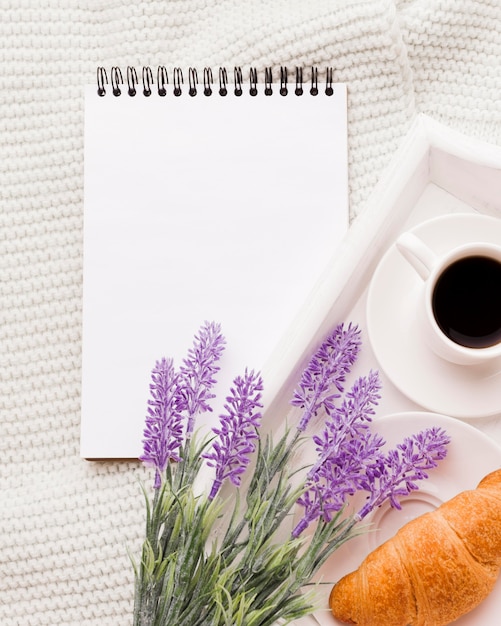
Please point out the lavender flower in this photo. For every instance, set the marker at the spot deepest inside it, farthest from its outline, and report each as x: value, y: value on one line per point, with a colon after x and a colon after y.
x: 247, y: 572
x: 163, y: 433
x: 350, y: 421
x: 345, y: 475
x: 350, y: 459
x: 237, y: 431
x: 326, y: 370
x: 198, y: 373
x: 403, y: 466
x: 361, y: 466
x: 347, y: 453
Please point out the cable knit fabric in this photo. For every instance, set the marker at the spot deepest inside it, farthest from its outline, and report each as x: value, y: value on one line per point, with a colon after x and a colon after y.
x: 66, y: 524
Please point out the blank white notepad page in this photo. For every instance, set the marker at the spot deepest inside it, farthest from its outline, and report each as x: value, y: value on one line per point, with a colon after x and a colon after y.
x: 224, y: 209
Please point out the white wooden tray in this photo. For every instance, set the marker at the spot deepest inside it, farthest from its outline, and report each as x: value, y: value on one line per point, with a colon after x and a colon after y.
x: 436, y: 172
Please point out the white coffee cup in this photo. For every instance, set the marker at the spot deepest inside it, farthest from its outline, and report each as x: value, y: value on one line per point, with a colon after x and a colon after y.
x: 460, y: 306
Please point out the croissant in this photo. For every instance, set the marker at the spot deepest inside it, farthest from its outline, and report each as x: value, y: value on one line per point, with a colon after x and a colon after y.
x: 435, y: 569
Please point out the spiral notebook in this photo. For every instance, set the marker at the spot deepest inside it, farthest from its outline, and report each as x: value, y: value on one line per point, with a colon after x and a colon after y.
x: 218, y: 196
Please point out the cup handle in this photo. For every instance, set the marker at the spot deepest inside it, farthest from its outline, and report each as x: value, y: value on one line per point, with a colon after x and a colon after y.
x: 416, y: 253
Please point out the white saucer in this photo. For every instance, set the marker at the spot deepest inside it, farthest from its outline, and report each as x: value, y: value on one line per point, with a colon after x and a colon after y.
x: 392, y: 303
x: 471, y: 456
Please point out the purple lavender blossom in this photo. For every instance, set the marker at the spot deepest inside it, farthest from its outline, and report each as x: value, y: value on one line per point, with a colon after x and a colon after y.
x: 198, y: 373
x: 347, y: 453
x: 363, y: 467
x: 350, y: 421
x: 326, y: 370
x: 163, y: 433
x: 344, y: 475
x: 230, y: 452
x: 351, y: 459
x: 404, y: 465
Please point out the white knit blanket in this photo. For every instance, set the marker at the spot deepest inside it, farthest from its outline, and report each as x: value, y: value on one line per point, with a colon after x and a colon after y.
x: 66, y: 524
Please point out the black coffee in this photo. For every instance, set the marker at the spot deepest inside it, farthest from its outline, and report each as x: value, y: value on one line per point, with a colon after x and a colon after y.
x: 467, y: 302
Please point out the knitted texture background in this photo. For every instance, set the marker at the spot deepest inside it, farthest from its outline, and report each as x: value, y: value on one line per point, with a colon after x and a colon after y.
x: 66, y: 524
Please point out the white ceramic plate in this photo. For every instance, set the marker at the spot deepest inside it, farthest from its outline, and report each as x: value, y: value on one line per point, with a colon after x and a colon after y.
x: 392, y: 304
x: 471, y: 455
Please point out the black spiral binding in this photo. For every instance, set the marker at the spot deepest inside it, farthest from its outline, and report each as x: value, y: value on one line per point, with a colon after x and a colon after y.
x: 131, y: 83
